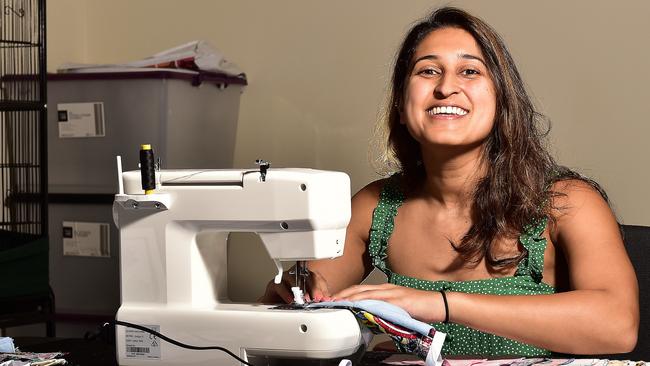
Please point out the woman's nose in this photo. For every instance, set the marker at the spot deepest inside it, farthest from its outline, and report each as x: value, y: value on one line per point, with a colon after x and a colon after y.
x: 447, y: 85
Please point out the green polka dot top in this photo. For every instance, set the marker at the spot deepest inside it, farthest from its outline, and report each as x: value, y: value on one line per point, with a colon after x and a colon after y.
x: 462, y: 340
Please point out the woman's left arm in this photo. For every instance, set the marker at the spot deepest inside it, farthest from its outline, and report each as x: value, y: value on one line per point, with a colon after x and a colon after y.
x: 598, y: 315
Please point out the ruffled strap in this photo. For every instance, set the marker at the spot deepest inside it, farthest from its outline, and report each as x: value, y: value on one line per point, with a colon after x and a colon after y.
x: 383, y: 223
x: 535, y: 243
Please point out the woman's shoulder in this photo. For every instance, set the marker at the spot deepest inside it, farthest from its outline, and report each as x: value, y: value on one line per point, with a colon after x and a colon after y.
x: 386, y: 192
x: 364, y: 203
x: 368, y: 197
x: 371, y: 192
x: 577, y: 205
x: 571, y: 195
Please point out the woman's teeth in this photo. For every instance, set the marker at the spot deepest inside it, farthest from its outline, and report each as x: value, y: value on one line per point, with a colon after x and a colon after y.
x: 447, y: 110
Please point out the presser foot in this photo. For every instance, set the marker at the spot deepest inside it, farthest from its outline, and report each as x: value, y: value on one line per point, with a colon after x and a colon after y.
x: 293, y: 306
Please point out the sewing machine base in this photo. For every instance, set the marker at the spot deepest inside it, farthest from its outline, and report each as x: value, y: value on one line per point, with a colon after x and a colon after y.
x: 280, y: 361
x: 262, y: 334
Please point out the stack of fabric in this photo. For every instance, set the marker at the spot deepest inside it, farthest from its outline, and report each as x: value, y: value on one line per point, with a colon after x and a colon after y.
x: 401, y: 359
x: 410, y: 335
x: 10, y: 356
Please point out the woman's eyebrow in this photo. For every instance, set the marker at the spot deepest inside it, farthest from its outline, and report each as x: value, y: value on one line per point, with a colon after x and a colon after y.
x: 425, y: 57
x: 466, y: 56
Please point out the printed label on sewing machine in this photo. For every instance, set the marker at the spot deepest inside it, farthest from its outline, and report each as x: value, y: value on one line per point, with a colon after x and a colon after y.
x: 142, y: 345
x: 88, y: 239
x: 81, y: 119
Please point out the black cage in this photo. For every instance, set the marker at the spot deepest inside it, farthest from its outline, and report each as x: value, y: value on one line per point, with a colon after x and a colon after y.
x: 23, y: 134
x: 25, y: 295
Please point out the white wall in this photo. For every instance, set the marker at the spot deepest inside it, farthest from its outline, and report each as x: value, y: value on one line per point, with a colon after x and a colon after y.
x: 318, y: 73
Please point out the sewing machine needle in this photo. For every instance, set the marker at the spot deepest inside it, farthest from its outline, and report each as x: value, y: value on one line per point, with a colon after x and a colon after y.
x: 300, y: 288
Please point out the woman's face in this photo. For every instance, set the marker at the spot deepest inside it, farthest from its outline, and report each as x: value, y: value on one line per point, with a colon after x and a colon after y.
x: 449, y: 98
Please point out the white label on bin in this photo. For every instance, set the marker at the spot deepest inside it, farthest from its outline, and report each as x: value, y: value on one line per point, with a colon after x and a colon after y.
x: 81, y: 119
x: 142, y: 345
x: 86, y: 239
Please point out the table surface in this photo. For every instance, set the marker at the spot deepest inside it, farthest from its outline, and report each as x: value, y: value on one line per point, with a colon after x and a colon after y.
x: 99, y: 352
x: 83, y: 352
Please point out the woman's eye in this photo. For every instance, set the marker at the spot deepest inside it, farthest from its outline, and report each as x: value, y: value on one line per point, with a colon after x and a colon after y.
x: 428, y: 72
x: 470, y: 72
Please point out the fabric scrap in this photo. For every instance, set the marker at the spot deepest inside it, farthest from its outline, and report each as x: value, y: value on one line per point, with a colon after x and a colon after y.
x: 383, y: 309
x: 411, y: 335
x: 7, y: 345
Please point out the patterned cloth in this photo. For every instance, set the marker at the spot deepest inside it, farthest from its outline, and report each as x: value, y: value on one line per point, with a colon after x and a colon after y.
x: 400, y: 360
x: 462, y: 340
x: 412, y: 342
x: 413, y: 336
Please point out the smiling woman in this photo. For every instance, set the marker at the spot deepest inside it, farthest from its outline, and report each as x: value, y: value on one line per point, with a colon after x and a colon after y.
x: 479, y: 230
x: 449, y: 97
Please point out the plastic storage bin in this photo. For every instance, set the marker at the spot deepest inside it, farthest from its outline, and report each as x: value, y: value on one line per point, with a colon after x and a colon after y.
x: 189, y: 119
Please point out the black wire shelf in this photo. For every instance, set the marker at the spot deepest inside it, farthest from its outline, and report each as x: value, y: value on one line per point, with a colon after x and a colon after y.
x: 23, y: 120
x: 19, y: 165
x: 5, y: 43
x: 14, y: 106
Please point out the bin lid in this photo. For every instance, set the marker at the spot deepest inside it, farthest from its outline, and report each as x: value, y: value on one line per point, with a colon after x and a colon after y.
x: 194, y: 77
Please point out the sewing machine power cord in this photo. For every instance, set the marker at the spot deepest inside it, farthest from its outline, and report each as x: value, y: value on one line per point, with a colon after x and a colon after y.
x: 175, y: 342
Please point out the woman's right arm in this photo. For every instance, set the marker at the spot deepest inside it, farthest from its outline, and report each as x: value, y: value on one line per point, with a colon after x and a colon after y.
x: 329, y: 276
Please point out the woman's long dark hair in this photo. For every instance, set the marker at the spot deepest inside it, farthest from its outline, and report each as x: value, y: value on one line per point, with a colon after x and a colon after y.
x: 515, y: 191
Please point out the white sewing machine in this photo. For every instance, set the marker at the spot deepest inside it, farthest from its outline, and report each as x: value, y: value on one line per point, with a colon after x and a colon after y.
x: 177, y: 285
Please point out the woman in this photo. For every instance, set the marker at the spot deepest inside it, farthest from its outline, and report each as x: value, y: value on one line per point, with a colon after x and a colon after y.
x: 481, y: 233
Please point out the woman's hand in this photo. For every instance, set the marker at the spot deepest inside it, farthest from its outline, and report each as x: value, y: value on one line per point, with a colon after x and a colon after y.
x: 316, y: 289
x: 426, y: 306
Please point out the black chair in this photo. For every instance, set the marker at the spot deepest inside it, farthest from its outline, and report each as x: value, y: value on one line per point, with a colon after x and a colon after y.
x: 28, y: 309
x: 637, y: 243
x: 25, y: 294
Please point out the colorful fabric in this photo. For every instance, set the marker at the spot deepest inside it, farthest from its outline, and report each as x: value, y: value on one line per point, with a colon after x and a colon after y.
x: 383, y: 309
x: 413, y: 336
x: 398, y: 359
x: 462, y: 340
x: 411, y: 341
